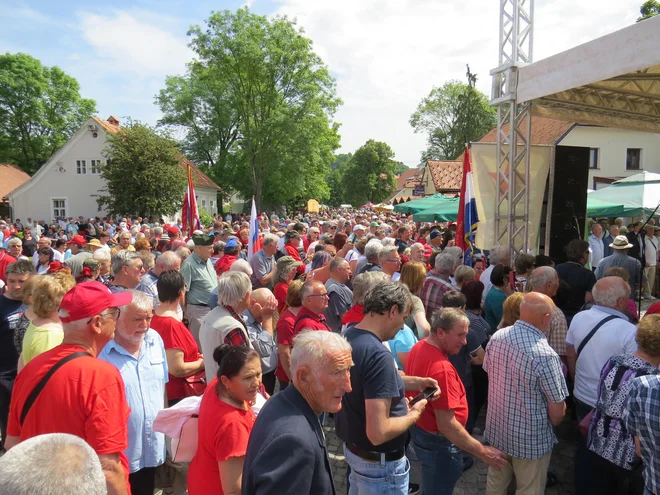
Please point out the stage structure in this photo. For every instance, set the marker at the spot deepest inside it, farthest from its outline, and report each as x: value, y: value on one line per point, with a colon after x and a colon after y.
x: 612, y: 81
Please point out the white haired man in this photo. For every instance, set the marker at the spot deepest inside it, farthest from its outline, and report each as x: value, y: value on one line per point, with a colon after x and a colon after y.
x: 139, y: 354
x: 260, y: 326
x: 56, y: 461
x: 15, y: 248
x: 166, y: 261
x: 287, y: 451
x: 438, y: 283
x: 127, y: 270
x: 371, y: 262
x: 88, y: 393
x: 263, y: 263
x: 390, y: 261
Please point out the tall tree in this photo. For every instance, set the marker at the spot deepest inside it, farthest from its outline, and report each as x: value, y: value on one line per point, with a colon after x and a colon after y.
x: 649, y: 9
x: 452, y: 115
x: 40, y: 108
x: 143, y: 173
x: 371, y: 174
x: 284, y: 99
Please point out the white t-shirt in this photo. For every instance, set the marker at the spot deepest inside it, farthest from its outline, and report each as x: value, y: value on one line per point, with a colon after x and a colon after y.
x: 485, y: 279
x: 352, y: 255
x: 651, y: 251
x: 614, y: 337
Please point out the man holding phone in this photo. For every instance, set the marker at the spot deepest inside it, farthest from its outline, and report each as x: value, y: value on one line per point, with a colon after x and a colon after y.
x: 375, y: 416
x: 440, y: 431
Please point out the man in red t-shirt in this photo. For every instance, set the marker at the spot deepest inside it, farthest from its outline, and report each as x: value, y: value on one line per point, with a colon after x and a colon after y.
x: 314, y: 298
x: 86, y: 396
x: 440, y: 431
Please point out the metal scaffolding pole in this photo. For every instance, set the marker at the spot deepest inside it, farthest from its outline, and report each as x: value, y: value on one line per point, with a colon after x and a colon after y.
x: 513, y: 125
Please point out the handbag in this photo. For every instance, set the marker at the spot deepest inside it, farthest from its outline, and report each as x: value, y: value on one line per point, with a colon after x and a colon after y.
x: 195, y: 385
x: 184, y: 448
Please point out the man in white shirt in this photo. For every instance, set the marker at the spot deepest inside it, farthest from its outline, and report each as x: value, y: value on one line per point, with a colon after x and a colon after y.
x: 498, y: 255
x: 651, y: 260
x: 614, y: 336
x: 596, y: 246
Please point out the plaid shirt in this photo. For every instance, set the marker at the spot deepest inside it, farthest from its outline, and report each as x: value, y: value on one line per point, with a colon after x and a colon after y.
x: 642, y: 419
x: 558, y: 331
x: 524, y: 375
x: 236, y: 337
x: 434, y: 288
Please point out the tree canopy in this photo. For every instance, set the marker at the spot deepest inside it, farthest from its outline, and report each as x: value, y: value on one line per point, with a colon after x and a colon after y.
x: 370, y: 175
x: 40, y: 108
x: 256, y: 105
x: 143, y: 173
x: 649, y: 9
x: 451, y: 116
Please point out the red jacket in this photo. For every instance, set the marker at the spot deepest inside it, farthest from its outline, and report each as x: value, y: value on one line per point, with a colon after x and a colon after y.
x: 224, y: 264
x: 293, y: 252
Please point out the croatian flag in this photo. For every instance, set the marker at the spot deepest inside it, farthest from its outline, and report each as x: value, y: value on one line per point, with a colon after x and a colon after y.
x: 190, y: 214
x: 254, y: 244
x: 468, y: 218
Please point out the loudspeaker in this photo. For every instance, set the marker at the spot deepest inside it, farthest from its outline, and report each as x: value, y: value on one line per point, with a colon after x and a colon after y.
x: 569, y: 199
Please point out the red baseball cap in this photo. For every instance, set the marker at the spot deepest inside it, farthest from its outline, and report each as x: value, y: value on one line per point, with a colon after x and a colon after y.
x: 89, y: 299
x: 78, y: 240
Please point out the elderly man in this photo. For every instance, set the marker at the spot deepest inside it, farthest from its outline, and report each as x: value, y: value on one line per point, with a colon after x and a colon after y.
x: 11, y: 308
x: 139, y: 355
x: 437, y: 283
x: 314, y: 298
x: 403, y: 239
x: 287, y: 452
x: 375, y: 417
x: 200, y: 279
x: 127, y: 268
x: 260, y: 327
x: 525, y: 398
x: 609, y: 239
x: 580, y: 279
x: 440, y: 431
x: 650, y: 261
x: 46, y: 242
x: 621, y: 258
x: 417, y: 253
x: 15, y: 248
x: 166, y: 261
x: 596, y: 247
x: 371, y: 262
x: 340, y: 297
x: 78, y: 254
x: 230, y: 255
x: 98, y: 412
x: 390, y: 261
x: 104, y: 259
x: 53, y: 461
x: 124, y: 243
x: 499, y: 255
x: 545, y: 280
x: 263, y: 263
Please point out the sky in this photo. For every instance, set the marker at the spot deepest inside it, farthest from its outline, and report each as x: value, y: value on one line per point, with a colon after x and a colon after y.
x: 386, y: 55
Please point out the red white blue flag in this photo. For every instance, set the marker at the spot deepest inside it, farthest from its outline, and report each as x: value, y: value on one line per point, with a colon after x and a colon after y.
x: 468, y: 219
x: 254, y: 244
x: 190, y: 214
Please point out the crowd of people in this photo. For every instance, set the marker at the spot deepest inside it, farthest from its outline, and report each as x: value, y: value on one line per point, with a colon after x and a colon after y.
x: 367, y: 320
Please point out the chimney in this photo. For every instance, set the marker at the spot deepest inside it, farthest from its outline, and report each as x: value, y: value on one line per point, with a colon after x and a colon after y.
x: 113, y: 120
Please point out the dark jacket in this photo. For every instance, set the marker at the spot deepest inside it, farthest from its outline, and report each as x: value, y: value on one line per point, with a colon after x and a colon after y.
x: 286, y: 452
x: 635, y: 250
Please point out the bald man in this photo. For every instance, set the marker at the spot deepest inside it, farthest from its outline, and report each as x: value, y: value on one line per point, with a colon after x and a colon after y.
x: 260, y: 326
x: 525, y: 398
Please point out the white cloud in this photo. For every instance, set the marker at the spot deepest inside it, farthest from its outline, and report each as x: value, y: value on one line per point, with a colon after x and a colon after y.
x: 126, y: 43
x: 388, y: 54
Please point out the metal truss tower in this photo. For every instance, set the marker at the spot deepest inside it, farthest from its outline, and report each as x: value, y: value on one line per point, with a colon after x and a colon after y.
x: 513, y: 125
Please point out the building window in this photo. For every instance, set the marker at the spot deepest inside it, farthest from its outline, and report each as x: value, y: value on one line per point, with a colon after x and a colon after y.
x: 59, y: 208
x: 81, y: 167
x: 95, y: 166
x: 203, y: 203
x: 593, y: 158
x: 633, y: 158
x: 211, y: 203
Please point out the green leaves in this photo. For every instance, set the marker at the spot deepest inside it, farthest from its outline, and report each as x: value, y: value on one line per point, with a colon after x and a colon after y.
x: 649, y: 9
x: 451, y: 116
x: 40, y: 108
x: 142, y: 173
x: 370, y: 175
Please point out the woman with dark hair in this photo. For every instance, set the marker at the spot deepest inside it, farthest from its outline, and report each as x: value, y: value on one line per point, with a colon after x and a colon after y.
x: 45, y: 255
x: 183, y: 358
x: 339, y: 241
x: 500, y: 290
x: 225, y: 422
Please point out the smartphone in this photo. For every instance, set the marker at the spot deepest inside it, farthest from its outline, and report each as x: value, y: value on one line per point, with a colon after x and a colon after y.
x: 426, y: 394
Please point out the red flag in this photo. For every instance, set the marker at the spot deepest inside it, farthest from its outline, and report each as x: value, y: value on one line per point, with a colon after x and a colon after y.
x: 190, y: 214
x: 460, y: 223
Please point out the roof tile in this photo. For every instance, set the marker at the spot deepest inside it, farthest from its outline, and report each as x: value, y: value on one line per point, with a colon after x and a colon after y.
x: 11, y: 177
x: 446, y: 175
x: 545, y: 131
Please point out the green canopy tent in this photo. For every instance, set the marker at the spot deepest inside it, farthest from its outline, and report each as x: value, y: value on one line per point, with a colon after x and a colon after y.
x: 417, y: 205
x: 598, y: 208
x: 639, y: 194
x: 445, y: 212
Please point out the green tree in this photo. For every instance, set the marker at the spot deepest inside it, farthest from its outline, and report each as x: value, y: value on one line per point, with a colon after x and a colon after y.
x: 401, y: 168
x: 283, y: 97
x: 143, y: 173
x: 40, y: 108
x: 371, y: 174
x: 649, y: 9
x: 200, y: 105
x: 451, y: 116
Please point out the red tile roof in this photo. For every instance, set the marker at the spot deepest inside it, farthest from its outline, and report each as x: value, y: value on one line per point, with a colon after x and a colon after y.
x: 406, y: 176
x: 11, y: 177
x: 446, y: 175
x: 545, y: 131
x: 200, y: 179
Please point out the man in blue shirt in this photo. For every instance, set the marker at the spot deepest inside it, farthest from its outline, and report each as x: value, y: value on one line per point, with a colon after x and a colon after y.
x: 139, y: 354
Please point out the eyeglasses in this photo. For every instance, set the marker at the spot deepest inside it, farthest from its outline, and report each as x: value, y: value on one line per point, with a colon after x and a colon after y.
x: 113, y: 312
x: 324, y: 295
x: 398, y: 260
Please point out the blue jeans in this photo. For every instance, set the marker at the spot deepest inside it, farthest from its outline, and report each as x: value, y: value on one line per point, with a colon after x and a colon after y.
x: 377, y: 478
x: 442, y: 462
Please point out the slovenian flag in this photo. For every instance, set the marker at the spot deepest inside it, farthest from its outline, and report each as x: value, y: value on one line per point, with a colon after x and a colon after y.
x: 254, y: 244
x: 468, y: 218
x: 190, y: 214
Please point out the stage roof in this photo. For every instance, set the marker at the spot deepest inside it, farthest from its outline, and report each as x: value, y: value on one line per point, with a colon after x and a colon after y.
x: 612, y: 81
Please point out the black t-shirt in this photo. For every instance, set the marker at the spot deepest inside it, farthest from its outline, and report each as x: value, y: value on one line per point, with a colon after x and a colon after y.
x: 10, y: 312
x: 581, y: 280
x: 374, y: 375
x: 29, y: 247
x: 401, y: 245
x: 461, y: 361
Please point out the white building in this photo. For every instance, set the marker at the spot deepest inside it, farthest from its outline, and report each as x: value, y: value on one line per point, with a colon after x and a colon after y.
x: 68, y: 183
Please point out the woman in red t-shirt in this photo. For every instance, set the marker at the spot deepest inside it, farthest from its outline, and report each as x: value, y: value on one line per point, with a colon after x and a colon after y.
x: 225, y: 422
x: 284, y: 331
x: 183, y: 357
x: 284, y: 274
